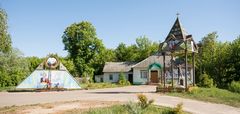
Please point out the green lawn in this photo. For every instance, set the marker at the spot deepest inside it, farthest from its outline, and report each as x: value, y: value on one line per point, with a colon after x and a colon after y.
x: 214, y: 95
x: 123, y: 109
x: 83, y: 86
x: 99, y: 85
x: 6, y: 88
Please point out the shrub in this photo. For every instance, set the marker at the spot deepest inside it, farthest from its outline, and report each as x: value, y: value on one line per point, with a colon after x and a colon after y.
x: 133, y: 108
x: 143, y: 101
x: 84, y: 80
x: 205, y: 81
x: 234, y: 86
x: 122, y: 80
x: 193, y: 90
x: 178, y: 109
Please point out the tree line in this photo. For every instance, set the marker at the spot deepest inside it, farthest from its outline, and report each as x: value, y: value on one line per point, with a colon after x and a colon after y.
x: 220, y: 61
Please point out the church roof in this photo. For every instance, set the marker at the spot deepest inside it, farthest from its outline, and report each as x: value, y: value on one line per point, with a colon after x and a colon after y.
x: 118, y: 66
x: 176, y: 38
x: 153, y: 59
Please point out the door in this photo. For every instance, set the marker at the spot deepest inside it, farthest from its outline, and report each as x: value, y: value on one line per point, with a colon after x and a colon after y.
x: 130, y: 78
x: 154, y: 76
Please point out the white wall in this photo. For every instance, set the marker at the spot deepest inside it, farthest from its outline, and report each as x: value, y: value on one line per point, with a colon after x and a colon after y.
x: 137, y: 76
x: 98, y: 78
x: 115, y: 75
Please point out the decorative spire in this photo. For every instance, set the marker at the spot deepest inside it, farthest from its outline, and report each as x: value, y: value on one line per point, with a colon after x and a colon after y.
x: 177, y: 14
x: 176, y: 31
x: 176, y: 38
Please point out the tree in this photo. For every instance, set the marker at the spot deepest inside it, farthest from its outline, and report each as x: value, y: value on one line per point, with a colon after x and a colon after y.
x: 219, y: 60
x: 106, y: 56
x: 84, y: 47
x: 13, y: 68
x: 233, y: 63
x: 205, y: 81
x: 122, y: 79
x: 136, y: 52
x: 121, y: 52
x: 68, y: 63
x: 146, y: 47
x: 208, y: 54
x: 5, y: 40
x: 33, y: 62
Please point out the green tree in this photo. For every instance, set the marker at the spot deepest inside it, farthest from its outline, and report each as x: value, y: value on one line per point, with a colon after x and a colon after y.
x: 84, y: 47
x: 205, y: 81
x: 5, y: 40
x: 33, y: 62
x: 68, y: 63
x: 122, y: 79
x: 121, y: 52
x: 233, y: 63
x: 13, y: 69
x: 208, y: 54
x: 221, y: 64
x: 110, y: 55
x: 136, y: 52
x: 145, y: 47
x: 219, y: 60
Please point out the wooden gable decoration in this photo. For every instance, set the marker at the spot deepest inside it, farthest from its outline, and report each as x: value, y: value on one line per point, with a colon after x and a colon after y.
x: 176, y: 38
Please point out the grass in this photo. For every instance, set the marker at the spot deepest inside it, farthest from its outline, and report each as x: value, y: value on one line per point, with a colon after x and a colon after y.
x: 122, y: 109
x: 213, y: 95
x: 83, y: 86
x: 6, y: 88
x: 99, y: 85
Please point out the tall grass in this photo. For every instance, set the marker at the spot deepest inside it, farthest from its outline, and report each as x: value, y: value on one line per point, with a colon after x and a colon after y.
x: 214, y: 95
x: 6, y: 88
x: 99, y: 85
x: 122, y: 109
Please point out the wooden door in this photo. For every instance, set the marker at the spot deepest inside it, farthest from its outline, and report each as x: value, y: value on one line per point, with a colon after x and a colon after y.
x: 154, y: 76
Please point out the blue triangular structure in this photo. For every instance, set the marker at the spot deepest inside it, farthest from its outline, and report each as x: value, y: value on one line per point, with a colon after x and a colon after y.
x: 58, y: 78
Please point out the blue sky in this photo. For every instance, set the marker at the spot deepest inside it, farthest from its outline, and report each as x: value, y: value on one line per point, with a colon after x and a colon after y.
x: 36, y: 26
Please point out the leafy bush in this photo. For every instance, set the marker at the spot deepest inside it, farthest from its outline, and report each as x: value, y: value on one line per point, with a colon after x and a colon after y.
x: 178, y: 109
x: 84, y: 80
x: 234, y: 86
x: 193, y: 90
x: 213, y: 94
x: 13, y: 68
x: 133, y: 108
x: 122, y: 80
x: 143, y: 101
x: 205, y: 81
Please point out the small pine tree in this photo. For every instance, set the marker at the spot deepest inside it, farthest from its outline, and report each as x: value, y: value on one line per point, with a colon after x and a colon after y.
x: 122, y: 79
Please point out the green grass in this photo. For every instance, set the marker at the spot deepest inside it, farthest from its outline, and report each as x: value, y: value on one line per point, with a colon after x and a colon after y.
x: 122, y: 109
x: 83, y: 86
x: 6, y: 88
x: 99, y: 85
x: 214, y: 95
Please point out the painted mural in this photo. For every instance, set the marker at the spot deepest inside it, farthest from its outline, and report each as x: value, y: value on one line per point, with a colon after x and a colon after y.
x: 50, y: 74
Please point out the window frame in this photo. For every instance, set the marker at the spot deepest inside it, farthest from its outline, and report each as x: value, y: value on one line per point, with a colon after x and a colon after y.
x: 110, y: 76
x: 142, y: 74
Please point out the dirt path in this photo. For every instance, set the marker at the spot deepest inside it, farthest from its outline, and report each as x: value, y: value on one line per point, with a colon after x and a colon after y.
x: 56, y: 107
x: 122, y: 94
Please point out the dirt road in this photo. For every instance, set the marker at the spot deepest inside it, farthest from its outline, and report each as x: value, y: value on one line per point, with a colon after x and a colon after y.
x: 122, y: 94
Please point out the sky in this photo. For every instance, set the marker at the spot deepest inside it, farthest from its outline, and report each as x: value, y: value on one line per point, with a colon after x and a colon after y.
x: 36, y: 26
